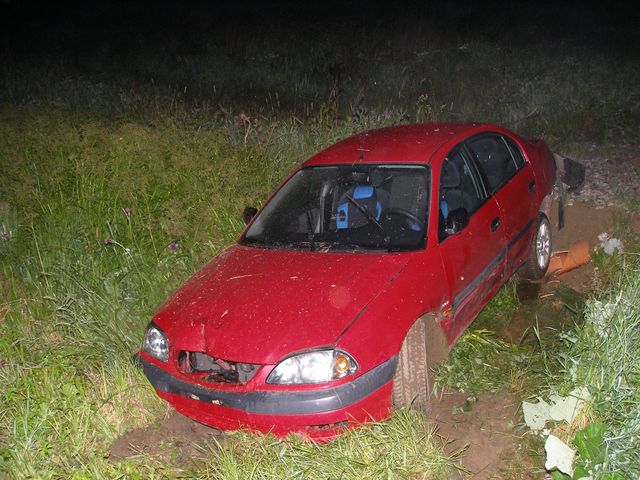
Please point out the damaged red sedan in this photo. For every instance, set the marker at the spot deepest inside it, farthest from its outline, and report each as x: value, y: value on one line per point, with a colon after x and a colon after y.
x: 362, y: 269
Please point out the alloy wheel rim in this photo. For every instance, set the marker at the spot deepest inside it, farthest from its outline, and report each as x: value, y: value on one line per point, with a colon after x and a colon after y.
x: 543, y: 245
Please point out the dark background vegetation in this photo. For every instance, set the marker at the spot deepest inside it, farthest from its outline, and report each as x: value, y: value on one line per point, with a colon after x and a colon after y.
x: 168, y: 28
x: 293, y: 56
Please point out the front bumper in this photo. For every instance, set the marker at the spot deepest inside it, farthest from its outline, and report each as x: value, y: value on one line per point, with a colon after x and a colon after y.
x: 314, y: 412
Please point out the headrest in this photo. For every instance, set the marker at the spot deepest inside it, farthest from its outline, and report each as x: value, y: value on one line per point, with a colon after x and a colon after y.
x: 485, y: 147
x: 450, y: 177
x: 362, y: 192
x: 376, y: 178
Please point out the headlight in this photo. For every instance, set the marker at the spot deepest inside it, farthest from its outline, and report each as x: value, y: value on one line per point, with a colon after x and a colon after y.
x: 155, y: 343
x: 313, y: 367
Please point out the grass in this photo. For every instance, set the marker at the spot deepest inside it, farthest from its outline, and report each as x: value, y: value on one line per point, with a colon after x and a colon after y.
x: 481, y: 362
x: 602, y: 355
x: 403, y: 447
x: 567, y: 94
x: 500, y: 309
x: 117, y: 185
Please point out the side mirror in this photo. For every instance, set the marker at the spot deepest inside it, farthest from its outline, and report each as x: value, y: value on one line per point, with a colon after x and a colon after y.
x: 457, y: 220
x: 248, y: 213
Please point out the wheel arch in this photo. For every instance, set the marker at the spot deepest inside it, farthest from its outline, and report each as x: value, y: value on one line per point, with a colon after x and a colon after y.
x: 545, y: 206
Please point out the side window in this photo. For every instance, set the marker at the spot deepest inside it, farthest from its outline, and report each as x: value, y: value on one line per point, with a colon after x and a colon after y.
x: 494, y: 159
x: 516, y: 152
x: 459, y: 188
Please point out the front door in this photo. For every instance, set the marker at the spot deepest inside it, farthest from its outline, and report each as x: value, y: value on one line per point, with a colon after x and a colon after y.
x: 473, y: 258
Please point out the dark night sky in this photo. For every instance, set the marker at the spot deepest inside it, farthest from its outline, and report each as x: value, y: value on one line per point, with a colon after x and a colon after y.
x: 113, y: 26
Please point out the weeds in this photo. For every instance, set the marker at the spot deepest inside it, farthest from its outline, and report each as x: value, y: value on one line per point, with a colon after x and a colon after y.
x: 480, y: 362
x: 600, y: 354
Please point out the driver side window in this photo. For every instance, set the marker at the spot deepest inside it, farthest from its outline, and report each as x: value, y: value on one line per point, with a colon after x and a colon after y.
x: 459, y: 189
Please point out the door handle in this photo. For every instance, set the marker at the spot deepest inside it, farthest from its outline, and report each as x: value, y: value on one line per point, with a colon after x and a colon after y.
x: 495, y: 224
x: 532, y: 185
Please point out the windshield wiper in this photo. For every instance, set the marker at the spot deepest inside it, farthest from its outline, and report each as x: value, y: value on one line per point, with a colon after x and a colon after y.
x: 372, y: 220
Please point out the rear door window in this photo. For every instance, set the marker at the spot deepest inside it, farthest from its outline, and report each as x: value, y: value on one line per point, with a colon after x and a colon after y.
x: 494, y: 159
x: 516, y: 152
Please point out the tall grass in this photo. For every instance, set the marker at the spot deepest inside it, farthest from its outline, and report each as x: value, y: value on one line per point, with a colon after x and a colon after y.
x: 603, y: 356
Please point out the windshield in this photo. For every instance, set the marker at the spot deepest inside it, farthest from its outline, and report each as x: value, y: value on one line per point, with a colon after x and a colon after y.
x: 346, y: 207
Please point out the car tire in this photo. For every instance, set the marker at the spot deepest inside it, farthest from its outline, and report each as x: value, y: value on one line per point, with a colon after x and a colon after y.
x: 537, y: 262
x: 424, y: 345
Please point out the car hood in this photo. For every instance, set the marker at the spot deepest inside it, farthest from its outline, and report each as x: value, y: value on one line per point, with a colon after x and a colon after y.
x: 258, y: 305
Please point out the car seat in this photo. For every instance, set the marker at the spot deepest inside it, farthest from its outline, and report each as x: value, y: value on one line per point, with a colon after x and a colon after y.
x: 370, y: 198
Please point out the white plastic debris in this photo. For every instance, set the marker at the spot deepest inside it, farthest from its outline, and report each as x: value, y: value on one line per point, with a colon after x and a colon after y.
x: 610, y: 245
x: 536, y: 414
x: 566, y: 408
x: 558, y: 408
x: 559, y: 455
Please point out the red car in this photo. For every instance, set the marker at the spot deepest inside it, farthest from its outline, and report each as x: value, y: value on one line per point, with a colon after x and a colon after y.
x: 361, y: 270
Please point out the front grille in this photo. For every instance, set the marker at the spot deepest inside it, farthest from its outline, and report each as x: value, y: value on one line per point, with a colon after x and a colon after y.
x: 211, y: 369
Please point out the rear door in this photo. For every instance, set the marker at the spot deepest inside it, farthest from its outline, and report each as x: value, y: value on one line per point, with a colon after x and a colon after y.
x: 473, y: 259
x: 510, y: 181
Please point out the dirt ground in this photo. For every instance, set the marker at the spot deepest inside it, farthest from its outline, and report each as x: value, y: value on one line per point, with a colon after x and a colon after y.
x: 175, y: 436
x: 486, y: 434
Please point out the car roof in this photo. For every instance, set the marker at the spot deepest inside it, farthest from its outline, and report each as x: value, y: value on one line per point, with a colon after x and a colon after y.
x: 399, y: 144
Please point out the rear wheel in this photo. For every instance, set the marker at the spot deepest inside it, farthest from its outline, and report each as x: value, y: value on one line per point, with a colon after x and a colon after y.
x: 424, y: 345
x: 537, y: 262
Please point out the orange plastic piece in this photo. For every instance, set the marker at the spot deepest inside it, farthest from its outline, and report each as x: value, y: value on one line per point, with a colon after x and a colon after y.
x: 567, y: 260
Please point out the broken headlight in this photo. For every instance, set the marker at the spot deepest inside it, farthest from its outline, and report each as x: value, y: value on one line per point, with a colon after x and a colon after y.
x: 313, y: 367
x: 155, y: 343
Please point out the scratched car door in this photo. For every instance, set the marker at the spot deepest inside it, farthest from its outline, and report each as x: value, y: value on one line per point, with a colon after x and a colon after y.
x: 509, y: 179
x: 473, y: 258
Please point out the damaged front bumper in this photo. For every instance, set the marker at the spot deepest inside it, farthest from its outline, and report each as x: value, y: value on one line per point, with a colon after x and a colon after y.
x: 314, y: 412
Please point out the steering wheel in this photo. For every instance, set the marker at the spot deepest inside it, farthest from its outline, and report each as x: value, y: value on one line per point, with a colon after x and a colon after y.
x: 404, y: 213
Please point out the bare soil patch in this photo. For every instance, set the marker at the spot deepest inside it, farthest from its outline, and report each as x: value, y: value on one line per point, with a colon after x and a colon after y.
x: 176, y: 436
x: 584, y: 221
x: 481, y: 427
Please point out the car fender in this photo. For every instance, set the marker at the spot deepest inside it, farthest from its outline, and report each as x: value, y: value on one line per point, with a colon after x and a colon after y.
x: 385, y: 321
x: 544, y: 167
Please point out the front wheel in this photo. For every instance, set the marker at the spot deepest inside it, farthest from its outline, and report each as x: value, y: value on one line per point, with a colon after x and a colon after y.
x: 537, y: 262
x: 424, y: 345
